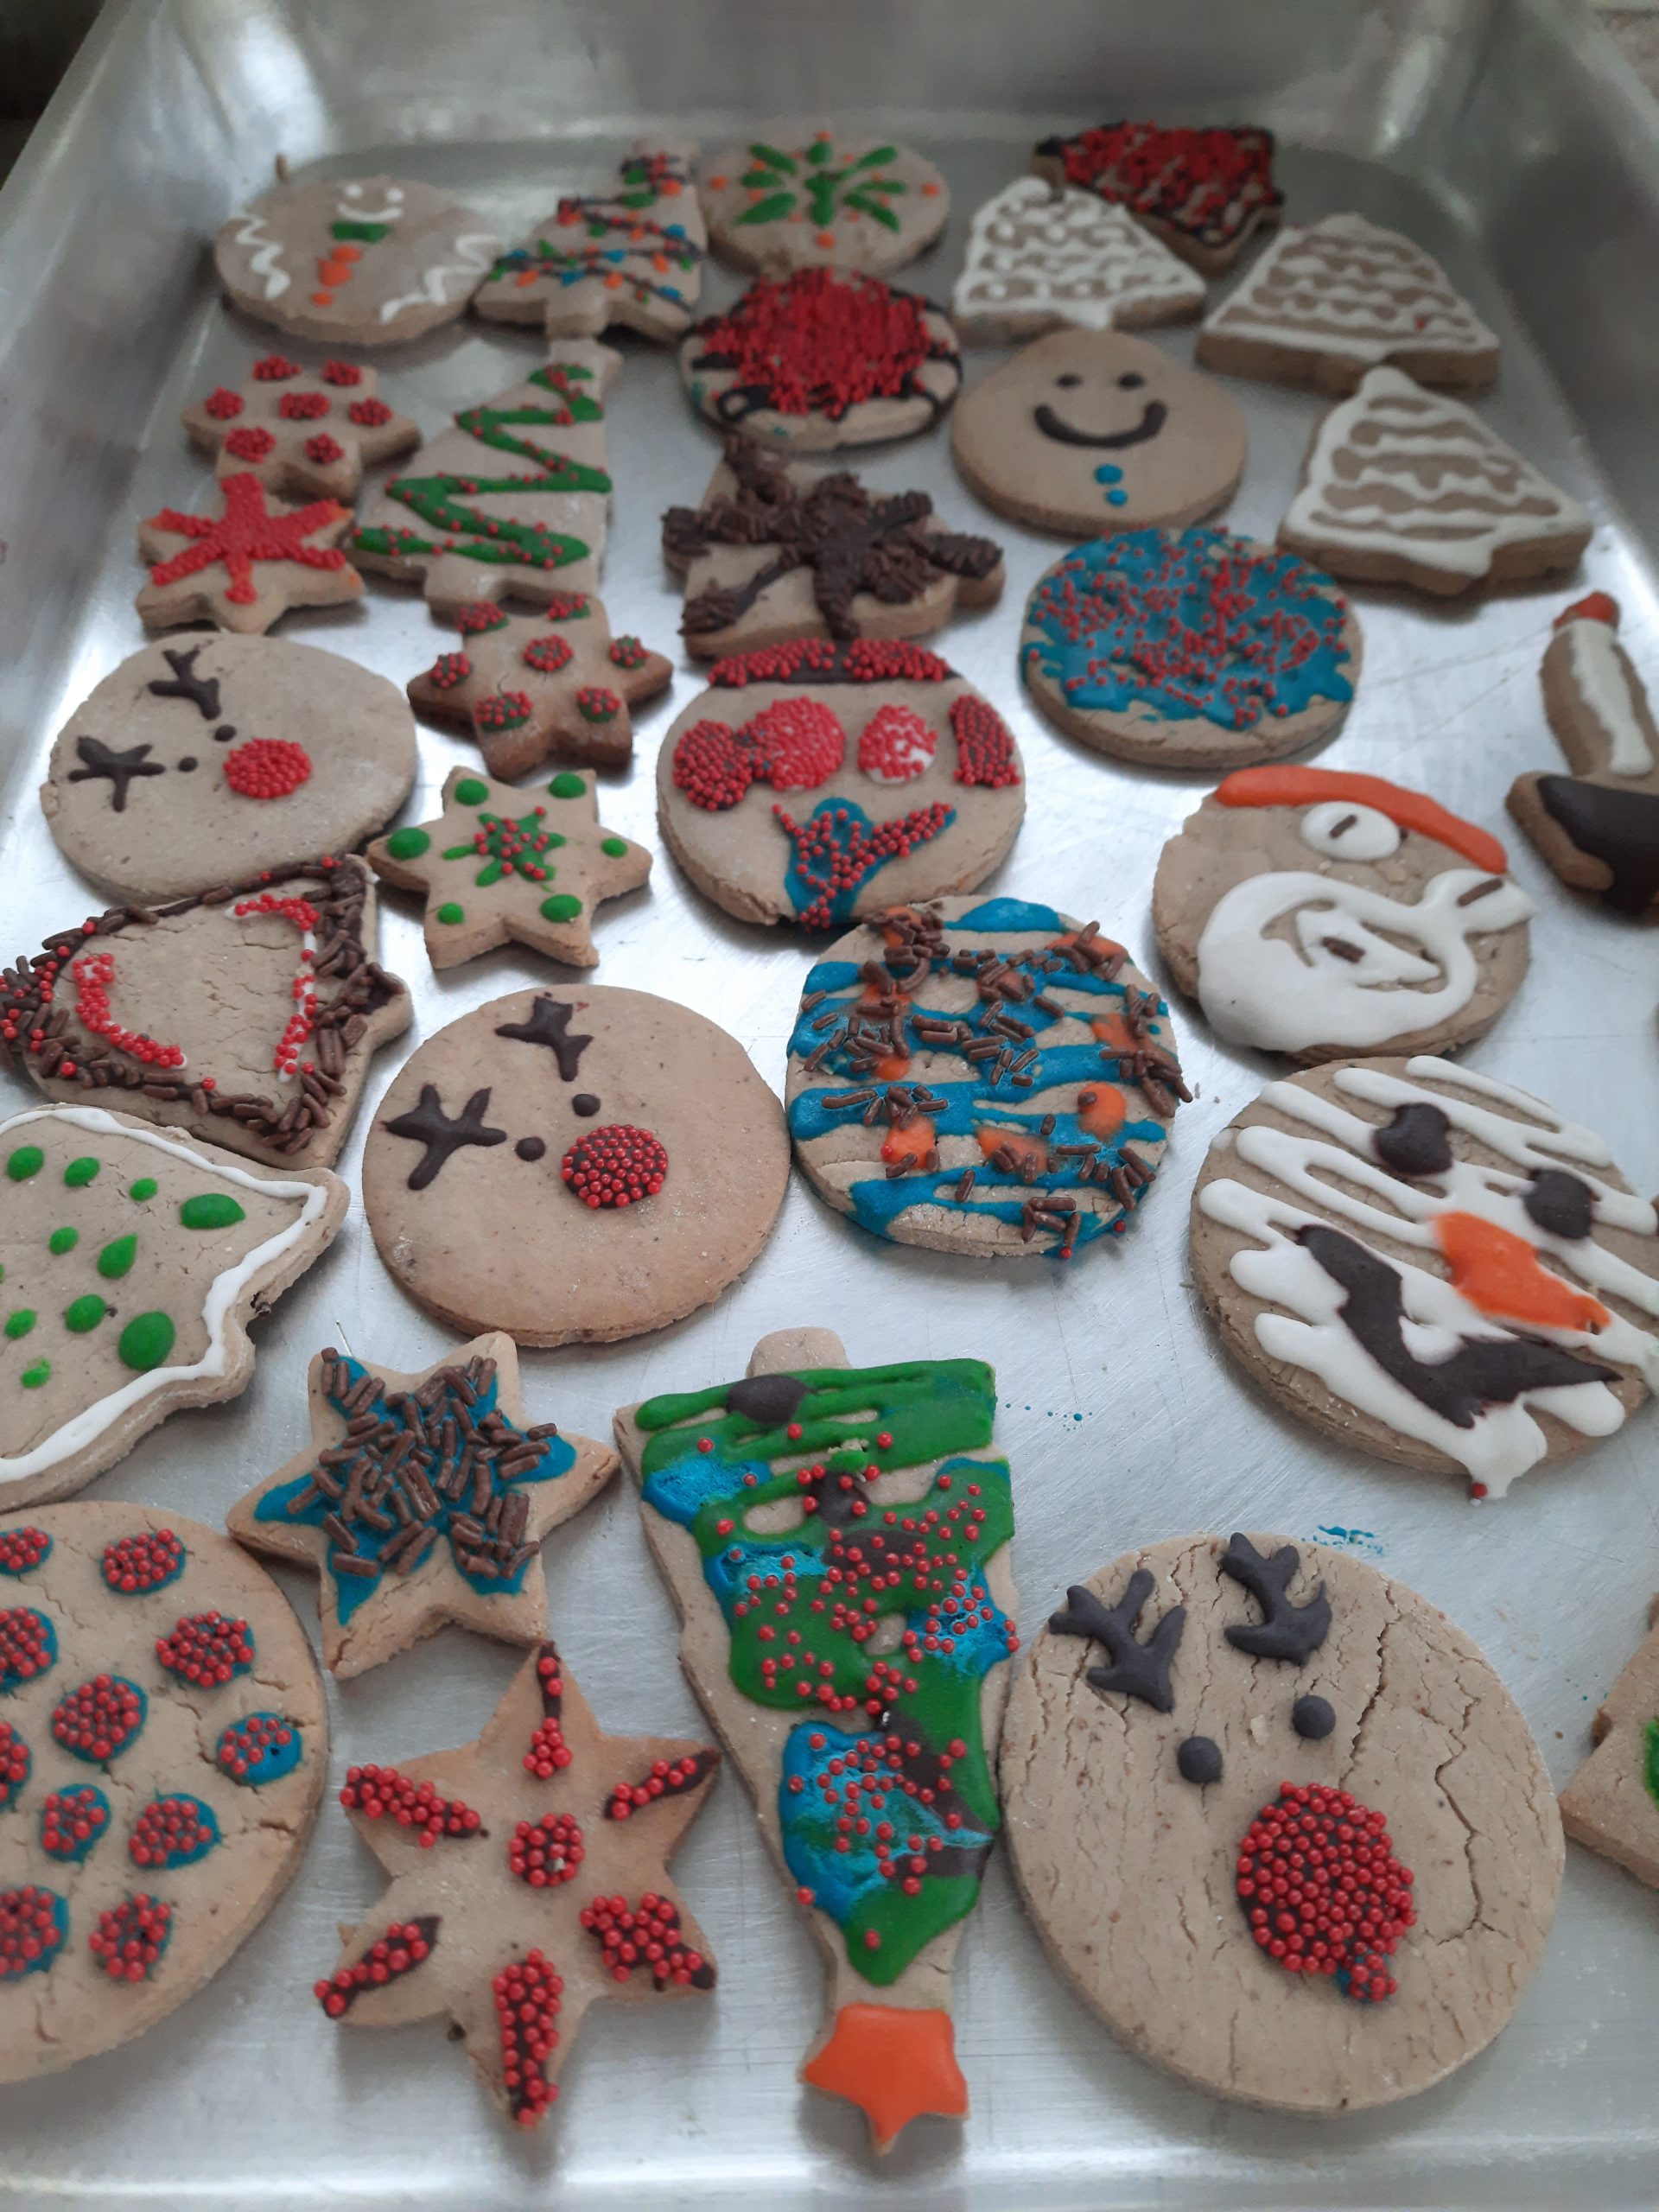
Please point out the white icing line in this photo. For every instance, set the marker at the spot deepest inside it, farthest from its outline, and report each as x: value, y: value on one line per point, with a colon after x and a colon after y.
x: 1602, y: 679
x: 477, y: 251
x: 266, y: 261
x: 1381, y: 290
x: 1070, y: 254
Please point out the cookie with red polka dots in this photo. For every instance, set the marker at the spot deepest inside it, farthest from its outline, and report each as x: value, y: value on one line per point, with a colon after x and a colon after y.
x: 162, y: 1752
x: 203, y: 760
x: 305, y: 433
x: 792, y: 199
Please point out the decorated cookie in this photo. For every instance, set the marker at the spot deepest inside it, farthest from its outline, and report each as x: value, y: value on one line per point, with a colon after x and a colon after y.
x: 881, y: 1484
x: 1598, y: 827
x: 824, y: 357
x: 245, y: 565
x: 134, y: 1261
x: 169, y: 1742
x: 422, y: 1501
x: 986, y: 1077
x: 1612, y: 1804
x: 1324, y: 305
x: 1432, y: 1266
x: 1205, y: 192
x: 193, y: 763
x: 574, y: 1168
x: 1040, y: 259
x: 1319, y: 914
x: 248, y: 1015
x: 308, y: 433
x: 633, y: 255
x: 793, y: 200
x: 512, y: 502
x: 369, y: 261
x: 501, y: 866
x: 1278, y: 1822
x: 778, y: 550
x: 815, y: 781
x: 529, y: 1880
x: 1089, y: 430
x: 1403, y: 487
x: 1194, y: 649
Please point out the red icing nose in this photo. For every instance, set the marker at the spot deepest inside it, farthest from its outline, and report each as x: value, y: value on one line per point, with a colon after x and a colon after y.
x: 1322, y: 1890
x: 267, y: 767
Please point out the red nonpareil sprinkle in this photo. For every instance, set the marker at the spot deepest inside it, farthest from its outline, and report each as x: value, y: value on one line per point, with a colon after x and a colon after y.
x: 864, y: 660
x: 285, y: 1060
x: 341, y: 372
x: 32, y: 1928
x: 323, y: 451
x: 14, y: 1764
x: 206, y: 1647
x: 548, y: 1852
x: 132, y: 1565
x: 303, y: 406
x: 820, y: 341
x: 172, y: 1832
x: 667, y: 1778
x: 447, y: 670
x: 1206, y: 183
x: 21, y: 1550
x: 566, y: 605
x: 249, y: 443
x: 380, y: 1793
x: 797, y: 744
x: 549, y: 654
x: 712, y: 766
x: 985, y: 753
x: 646, y: 1935
x: 628, y: 653
x: 131, y: 1936
x: 503, y: 709
x: 27, y: 1646
x: 596, y: 704
x: 405, y: 1945
x: 98, y: 1719
x: 370, y: 413
x: 246, y: 534
x: 224, y: 406
x: 245, y: 1743
x: 834, y: 852
x: 527, y: 1995
x: 72, y: 1821
x: 480, y: 616
x: 548, y: 1749
x: 92, y: 978
x: 615, y: 1165
x: 267, y: 767
x: 275, y: 368
x: 896, y: 745
x: 1322, y: 1890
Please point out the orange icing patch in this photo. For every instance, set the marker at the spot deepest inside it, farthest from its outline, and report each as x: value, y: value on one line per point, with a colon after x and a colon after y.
x: 1101, y: 1110
x: 1022, y: 1149
x: 912, y: 1144
x: 1113, y: 1031
x: 892, y: 1067
x: 1290, y: 786
x: 1500, y: 1274
x: 894, y: 2063
x: 1594, y: 607
x: 1107, y: 945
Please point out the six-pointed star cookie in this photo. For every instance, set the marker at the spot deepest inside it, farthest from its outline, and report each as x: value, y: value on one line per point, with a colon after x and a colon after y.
x: 421, y: 1500
x: 528, y: 686
x: 499, y: 865
x: 247, y: 565
x: 300, y: 430
x: 528, y: 1878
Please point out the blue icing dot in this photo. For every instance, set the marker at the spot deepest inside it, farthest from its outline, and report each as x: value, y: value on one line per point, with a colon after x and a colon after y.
x: 260, y: 1748
x: 1117, y: 499
x: 1108, y: 472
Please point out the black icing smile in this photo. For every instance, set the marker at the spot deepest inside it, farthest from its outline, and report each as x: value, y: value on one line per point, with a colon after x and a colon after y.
x: 1152, y: 420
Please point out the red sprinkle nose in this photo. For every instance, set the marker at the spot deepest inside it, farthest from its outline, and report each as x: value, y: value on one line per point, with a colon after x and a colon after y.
x: 1322, y: 1890
x: 615, y: 1165
x: 267, y: 767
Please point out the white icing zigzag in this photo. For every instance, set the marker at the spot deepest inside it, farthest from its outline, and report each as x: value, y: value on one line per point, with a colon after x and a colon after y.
x: 476, y: 252
x: 1345, y: 286
x: 1070, y: 255
x: 267, y: 262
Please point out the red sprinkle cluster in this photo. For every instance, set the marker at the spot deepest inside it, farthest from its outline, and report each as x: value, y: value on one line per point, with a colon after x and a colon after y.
x: 132, y: 1565
x: 447, y: 670
x: 821, y: 341
x: 369, y: 414
x: 251, y: 442
x: 502, y: 709
x: 171, y: 1831
x: 565, y: 605
x: 549, y: 654
x: 1206, y: 183
x: 628, y: 653
x: 646, y: 1935
x: 304, y: 917
x: 896, y: 745
x: 72, y: 1821
x: 596, y: 704
x: 14, y: 1764
x: 323, y: 451
x: 984, y: 744
x: 862, y: 660
x: 549, y: 1751
x: 667, y: 1778
x: 26, y: 1646
x: 1323, y: 1891
x: 275, y: 368
x: 794, y: 745
x: 303, y: 406
x: 93, y: 976
x: 527, y: 1995
x: 21, y: 1550
x: 223, y: 405
x: 380, y: 1793
x: 405, y: 1945
x: 205, y: 1648
x: 244, y: 1743
x: 547, y: 1851
x: 481, y: 615
x: 131, y: 1936
x: 341, y: 372
x: 99, y: 1719
x: 615, y: 1165
x: 30, y: 1930
x: 267, y: 767
x: 834, y: 852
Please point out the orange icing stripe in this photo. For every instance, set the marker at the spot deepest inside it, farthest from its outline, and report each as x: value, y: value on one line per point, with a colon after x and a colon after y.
x: 1291, y: 786
x: 1501, y: 1275
x: 1021, y: 1147
x: 894, y: 2063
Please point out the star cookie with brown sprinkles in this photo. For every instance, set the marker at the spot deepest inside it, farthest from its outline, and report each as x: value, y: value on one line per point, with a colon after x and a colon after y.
x: 501, y: 865
x: 245, y: 566
x: 528, y: 1878
x: 421, y: 1501
x: 308, y: 432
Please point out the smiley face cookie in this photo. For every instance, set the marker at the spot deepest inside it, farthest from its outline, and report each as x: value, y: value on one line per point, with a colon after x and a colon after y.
x: 1278, y: 1822
x: 1318, y: 914
x: 194, y: 764
x: 573, y: 1166
x: 796, y: 200
x: 1087, y: 431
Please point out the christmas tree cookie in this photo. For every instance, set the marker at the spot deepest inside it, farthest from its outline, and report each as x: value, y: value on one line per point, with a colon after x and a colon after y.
x: 244, y: 566
x: 1612, y: 1804
x: 310, y: 433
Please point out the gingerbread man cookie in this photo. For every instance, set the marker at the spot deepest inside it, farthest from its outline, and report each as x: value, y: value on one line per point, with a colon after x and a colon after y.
x: 1204, y: 192
x: 245, y: 566
x: 813, y: 200
x: 312, y: 434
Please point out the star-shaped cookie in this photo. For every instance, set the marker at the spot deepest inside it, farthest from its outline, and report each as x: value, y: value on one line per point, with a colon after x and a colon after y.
x: 500, y: 865
x: 529, y: 686
x: 421, y: 1500
x: 528, y: 1878
x: 300, y: 430
x: 245, y: 566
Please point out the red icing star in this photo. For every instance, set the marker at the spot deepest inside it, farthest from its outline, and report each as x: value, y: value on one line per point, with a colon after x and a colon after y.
x: 244, y: 535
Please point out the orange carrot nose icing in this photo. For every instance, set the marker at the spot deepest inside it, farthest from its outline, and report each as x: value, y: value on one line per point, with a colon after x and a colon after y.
x: 912, y: 1144
x: 1102, y: 1107
x: 1020, y: 1150
x: 1500, y: 1274
x: 895, y: 2063
x: 1291, y: 786
x: 1594, y: 607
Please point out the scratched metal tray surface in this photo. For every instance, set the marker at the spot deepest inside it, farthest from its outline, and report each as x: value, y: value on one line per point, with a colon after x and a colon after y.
x: 1501, y: 137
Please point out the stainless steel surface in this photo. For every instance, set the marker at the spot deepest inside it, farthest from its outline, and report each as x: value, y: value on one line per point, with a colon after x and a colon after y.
x: 1509, y: 145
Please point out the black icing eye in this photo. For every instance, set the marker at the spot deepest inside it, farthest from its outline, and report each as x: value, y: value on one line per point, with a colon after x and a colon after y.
x: 1314, y: 1718
x: 187, y: 763
x: 1066, y: 382
x: 1131, y: 382
x: 223, y: 734
x: 585, y: 1103
x: 531, y: 1147
x: 1199, y: 1760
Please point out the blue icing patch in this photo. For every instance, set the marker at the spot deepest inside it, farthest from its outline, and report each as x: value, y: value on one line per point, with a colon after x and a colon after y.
x: 681, y: 1489
x: 16, y: 1964
x: 728, y: 1570
x: 990, y: 914
x: 202, y: 1833
x: 74, y: 1823
x: 261, y: 1747
x: 1353, y: 1540
x: 838, y: 829
x: 1138, y: 620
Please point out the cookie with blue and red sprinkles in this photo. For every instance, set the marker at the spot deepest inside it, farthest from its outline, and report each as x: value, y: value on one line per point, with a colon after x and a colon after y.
x: 1190, y: 649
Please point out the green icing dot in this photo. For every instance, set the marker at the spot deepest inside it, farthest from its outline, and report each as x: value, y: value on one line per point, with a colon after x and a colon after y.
x: 407, y: 844
x: 32, y: 1377
x: 1650, y: 1759
x: 561, y: 907
x: 146, y: 1341
x: 616, y: 848
x: 567, y: 784
x: 27, y: 1160
x: 20, y: 1323
x: 85, y: 1313
x: 450, y: 913
x: 63, y: 1240
x: 471, y: 791
x: 143, y: 1189
x: 81, y: 1170
x: 115, y: 1259
x: 212, y: 1209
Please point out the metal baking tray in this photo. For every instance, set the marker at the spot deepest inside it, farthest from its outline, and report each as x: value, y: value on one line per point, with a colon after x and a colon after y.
x: 1503, y: 137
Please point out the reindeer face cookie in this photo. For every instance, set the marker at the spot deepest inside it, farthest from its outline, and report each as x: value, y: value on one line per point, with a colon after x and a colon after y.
x: 1278, y: 1822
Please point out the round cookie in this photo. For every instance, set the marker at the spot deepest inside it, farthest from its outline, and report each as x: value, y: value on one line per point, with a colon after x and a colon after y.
x: 1318, y: 914
x: 1091, y: 430
x: 574, y: 1168
x: 372, y: 261
x: 1190, y: 650
x: 1196, y: 1714
x: 164, y: 779
x: 1430, y: 1265
x: 173, y: 1743
x: 815, y: 781
x: 822, y: 357
x: 985, y: 1076
x: 790, y: 202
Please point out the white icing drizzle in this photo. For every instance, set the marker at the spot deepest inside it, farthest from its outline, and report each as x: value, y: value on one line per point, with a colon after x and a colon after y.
x: 475, y: 254
x: 1346, y: 832
x: 267, y: 261
x: 1338, y: 1175
x: 1069, y: 255
x: 350, y: 209
x: 1263, y: 990
x: 73, y: 1435
x: 1604, y: 682
x: 1346, y: 286
x: 1399, y: 470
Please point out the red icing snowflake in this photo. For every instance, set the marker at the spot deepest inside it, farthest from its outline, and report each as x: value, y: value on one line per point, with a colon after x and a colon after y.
x: 245, y: 536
